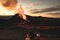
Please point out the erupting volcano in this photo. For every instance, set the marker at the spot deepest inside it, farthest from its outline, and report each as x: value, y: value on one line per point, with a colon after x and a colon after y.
x: 10, y: 7
x: 22, y: 13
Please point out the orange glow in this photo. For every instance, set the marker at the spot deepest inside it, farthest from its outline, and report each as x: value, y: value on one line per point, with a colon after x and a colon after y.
x: 9, y: 7
x: 9, y: 4
x: 22, y: 13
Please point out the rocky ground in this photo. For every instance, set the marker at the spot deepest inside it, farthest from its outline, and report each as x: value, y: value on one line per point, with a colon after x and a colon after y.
x: 19, y: 33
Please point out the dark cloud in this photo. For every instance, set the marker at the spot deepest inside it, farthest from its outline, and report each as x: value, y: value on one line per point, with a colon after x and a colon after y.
x: 56, y: 13
x: 51, y: 9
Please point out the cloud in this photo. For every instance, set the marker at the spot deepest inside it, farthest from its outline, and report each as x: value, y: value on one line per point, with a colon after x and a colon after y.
x: 9, y: 4
x: 51, y: 9
x: 32, y: 5
x: 54, y: 14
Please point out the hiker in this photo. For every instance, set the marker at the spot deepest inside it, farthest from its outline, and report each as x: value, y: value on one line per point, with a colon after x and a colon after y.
x: 31, y: 35
x: 37, y: 37
x: 27, y: 37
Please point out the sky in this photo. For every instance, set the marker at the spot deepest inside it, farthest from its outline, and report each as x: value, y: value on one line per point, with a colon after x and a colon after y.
x: 44, y: 8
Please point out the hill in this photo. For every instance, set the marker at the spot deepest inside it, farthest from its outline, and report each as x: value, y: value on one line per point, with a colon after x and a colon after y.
x: 42, y: 21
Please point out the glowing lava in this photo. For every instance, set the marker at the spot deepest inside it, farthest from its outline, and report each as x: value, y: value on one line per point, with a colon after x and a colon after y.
x: 10, y: 7
x: 22, y: 13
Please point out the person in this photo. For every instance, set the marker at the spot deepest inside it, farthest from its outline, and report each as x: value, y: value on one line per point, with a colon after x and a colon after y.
x: 37, y: 37
x: 31, y: 34
x: 11, y: 7
x: 27, y: 37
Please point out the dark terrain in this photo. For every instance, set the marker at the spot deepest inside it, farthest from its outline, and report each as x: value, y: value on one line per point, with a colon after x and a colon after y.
x: 16, y: 28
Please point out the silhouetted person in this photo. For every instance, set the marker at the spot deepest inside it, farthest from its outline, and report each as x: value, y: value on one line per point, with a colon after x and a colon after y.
x: 31, y: 35
x: 37, y: 37
x: 27, y: 37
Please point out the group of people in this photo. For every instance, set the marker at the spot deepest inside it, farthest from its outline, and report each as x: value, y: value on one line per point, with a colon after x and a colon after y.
x: 33, y: 37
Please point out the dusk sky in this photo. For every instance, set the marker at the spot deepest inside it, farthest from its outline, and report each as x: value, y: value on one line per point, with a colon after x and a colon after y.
x: 44, y: 8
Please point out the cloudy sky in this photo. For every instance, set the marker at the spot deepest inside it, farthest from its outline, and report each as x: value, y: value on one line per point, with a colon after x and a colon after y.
x: 44, y: 8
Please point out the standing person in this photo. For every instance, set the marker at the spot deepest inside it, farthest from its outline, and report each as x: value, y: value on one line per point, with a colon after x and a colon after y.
x: 37, y: 37
x: 27, y: 37
x: 31, y: 35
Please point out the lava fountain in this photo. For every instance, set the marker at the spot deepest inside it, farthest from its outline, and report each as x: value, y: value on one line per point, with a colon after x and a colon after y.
x: 10, y: 7
x: 22, y: 13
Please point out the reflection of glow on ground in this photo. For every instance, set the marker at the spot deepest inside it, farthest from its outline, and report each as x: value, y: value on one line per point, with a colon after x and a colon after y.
x: 28, y: 26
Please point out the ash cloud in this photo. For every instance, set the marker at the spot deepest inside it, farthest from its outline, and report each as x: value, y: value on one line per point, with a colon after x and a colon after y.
x: 53, y: 12
x: 9, y: 4
x: 51, y: 9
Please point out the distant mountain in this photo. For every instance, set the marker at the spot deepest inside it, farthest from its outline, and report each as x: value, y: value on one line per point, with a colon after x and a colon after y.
x: 12, y: 21
x: 42, y: 21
